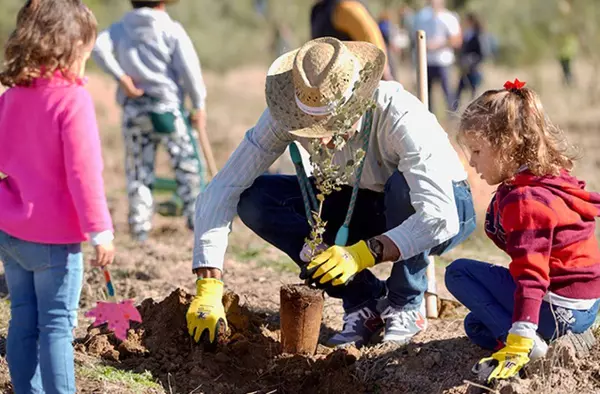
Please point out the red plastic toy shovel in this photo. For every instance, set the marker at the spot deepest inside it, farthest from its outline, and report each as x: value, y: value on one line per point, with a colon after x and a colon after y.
x: 116, y: 314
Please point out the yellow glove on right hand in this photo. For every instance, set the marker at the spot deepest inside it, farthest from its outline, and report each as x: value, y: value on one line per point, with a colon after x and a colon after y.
x: 338, y: 264
x: 206, y: 313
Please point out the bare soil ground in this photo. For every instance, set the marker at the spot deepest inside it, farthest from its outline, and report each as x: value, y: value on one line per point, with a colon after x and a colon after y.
x: 159, y: 356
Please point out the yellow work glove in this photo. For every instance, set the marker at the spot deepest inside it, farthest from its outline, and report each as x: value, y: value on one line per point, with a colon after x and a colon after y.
x: 338, y: 264
x: 506, y: 362
x: 206, y: 313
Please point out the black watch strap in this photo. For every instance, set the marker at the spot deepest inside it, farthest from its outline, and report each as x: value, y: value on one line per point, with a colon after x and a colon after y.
x: 376, y: 248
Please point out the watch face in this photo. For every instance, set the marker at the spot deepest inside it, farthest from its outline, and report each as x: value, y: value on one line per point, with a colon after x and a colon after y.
x: 376, y: 248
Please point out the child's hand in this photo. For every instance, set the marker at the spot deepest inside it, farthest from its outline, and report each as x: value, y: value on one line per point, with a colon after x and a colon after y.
x: 105, y: 254
x: 506, y: 362
x: 129, y: 87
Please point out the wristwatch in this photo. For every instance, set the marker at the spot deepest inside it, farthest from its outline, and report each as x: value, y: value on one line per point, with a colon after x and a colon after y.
x: 376, y: 248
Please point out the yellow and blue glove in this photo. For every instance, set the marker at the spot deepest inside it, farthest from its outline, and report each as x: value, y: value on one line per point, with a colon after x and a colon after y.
x: 337, y: 265
x: 506, y: 362
x: 206, y: 315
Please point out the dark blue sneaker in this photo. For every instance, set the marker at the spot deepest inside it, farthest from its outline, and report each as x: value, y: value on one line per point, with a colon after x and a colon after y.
x: 359, y: 328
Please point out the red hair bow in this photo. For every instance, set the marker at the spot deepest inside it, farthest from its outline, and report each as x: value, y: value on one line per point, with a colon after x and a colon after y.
x: 516, y: 85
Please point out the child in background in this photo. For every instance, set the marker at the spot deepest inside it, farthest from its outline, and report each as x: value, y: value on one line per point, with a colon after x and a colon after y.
x: 471, y: 55
x: 543, y: 218
x: 52, y: 196
x: 155, y: 63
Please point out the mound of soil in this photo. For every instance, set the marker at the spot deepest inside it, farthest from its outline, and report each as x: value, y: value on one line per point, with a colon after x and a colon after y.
x: 563, y: 370
x: 439, y: 361
x: 249, y: 359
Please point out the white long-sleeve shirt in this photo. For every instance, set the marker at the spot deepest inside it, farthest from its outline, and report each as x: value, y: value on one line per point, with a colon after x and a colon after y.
x: 405, y: 137
x: 157, y: 53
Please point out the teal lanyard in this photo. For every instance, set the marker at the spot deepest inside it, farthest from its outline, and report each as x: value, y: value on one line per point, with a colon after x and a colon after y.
x: 308, y: 194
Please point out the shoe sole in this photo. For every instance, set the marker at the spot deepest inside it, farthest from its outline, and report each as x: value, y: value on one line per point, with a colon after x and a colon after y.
x: 582, y: 342
x: 371, y: 341
x: 401, y: 340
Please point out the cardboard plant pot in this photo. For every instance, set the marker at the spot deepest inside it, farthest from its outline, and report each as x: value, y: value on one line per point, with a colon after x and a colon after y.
x: 301, y: 312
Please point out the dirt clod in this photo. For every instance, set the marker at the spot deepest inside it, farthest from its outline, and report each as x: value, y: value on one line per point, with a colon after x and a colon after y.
x: 221, y: 357
x: 99, y: 345
x: 110, y: 355
x: 342, y: 357
x: 133, y: 345
x: 236, y: 317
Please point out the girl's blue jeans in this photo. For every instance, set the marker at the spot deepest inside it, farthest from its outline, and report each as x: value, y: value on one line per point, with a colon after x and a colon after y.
x: 488, y: 292
x: 44, y: 282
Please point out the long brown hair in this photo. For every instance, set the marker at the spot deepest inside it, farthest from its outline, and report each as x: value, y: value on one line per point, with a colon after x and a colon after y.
x: 48, y: 37
x: 515, y: 123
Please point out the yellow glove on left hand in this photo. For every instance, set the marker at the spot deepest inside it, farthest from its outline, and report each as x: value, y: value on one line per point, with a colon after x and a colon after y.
x: 206, y: 313
x: 338, y: 264
x: 507, y: 362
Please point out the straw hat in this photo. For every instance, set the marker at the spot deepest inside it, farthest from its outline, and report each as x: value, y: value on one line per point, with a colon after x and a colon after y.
x: 298, y: 84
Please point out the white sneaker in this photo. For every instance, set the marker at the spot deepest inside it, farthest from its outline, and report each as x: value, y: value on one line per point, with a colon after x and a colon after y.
x: 401, y: 325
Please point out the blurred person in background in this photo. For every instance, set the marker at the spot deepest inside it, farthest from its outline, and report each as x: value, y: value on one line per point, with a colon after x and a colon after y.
x: 282, y: 39
x: 567, y: 49
x: 262, y: 8
x: 406, y: 17
x: 347, y: 20
x: 443, y: 33
x: 390, y: 32
x: 567, y: 44
x: 155, y: 64
x: 471, y: 55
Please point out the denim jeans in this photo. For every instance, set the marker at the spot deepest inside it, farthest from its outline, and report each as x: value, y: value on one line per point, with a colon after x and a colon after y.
x: 471, y: 79
x: 273, y: 208
x: 488, y: 291
x: 442, y: 74
x: 44, y: 282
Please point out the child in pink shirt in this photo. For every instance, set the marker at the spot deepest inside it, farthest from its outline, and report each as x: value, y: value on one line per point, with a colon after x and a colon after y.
x: 51, y: 192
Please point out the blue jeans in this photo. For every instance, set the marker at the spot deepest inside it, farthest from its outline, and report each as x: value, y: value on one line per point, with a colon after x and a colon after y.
x: 44, y: 282
x: 273, y: 208
x: 440, y: 73
x: 472, y: 79
x: 488, y: 291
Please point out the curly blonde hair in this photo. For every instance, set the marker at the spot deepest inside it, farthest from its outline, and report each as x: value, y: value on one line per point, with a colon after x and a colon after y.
x: 515, y: 123
x: 48, y: 37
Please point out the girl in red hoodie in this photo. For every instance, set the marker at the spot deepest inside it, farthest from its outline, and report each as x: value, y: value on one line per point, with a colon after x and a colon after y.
x: 543, y: 218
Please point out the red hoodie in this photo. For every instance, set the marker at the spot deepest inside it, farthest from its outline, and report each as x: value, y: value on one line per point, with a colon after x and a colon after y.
x: 546, y: 225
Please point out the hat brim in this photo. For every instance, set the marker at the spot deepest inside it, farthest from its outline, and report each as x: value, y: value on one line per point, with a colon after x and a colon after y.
x: 280, y: 93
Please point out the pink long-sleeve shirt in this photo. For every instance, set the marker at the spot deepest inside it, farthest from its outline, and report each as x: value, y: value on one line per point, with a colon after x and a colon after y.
x: 50, y: 153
